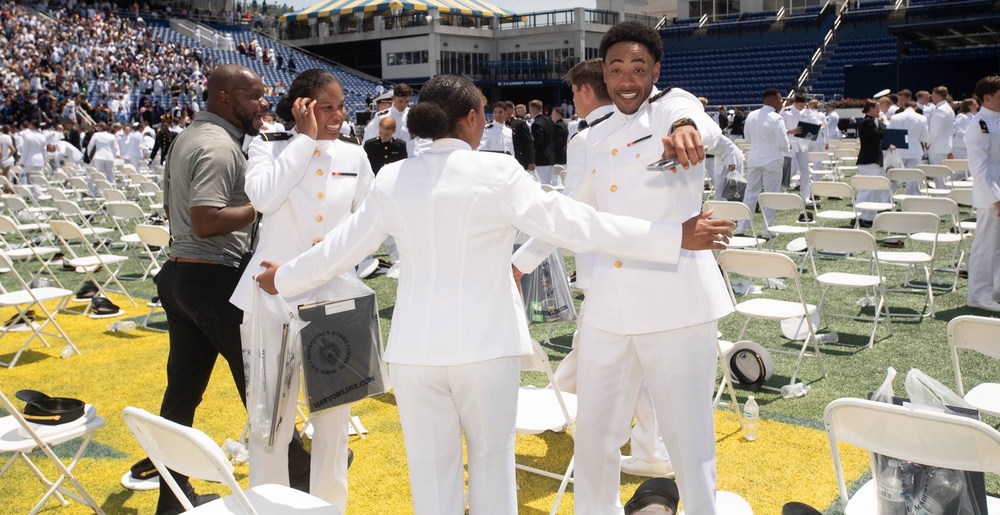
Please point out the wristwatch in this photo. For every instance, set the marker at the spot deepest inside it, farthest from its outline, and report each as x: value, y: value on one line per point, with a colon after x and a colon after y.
x: 681, y: 123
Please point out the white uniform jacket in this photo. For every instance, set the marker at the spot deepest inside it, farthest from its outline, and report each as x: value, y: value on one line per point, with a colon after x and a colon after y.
x: 497, y: 137
x: 303, y: 188
x: 940, y: 126
x: 414, y: 146
x: 792, y: 117
x: 982, y: 139
x: 454, y: 214
x: 33, y: 149
x: 635, y: 296
x: 765, y: 131
x: 962, y: 122
x: 915, y: 126
x: 103, y: 146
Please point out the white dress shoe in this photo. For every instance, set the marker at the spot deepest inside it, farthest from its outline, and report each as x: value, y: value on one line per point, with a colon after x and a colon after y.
x: 637, y: 467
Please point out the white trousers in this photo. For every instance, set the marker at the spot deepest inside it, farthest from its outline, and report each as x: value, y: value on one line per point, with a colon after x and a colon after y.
x: 872, y: 195
x: 106, y: 167
x: 767, y: 177
x: 984, y: 261
x: 679, y: 367
x: 436, y: 406
x: 800, y: 163
x: 547, y: 175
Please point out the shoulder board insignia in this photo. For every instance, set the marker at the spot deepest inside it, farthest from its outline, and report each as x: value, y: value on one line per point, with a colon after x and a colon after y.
x: 601, y: 119
x: 489, y: 125
x: 983, y: 127
x: 658, y: 95
x: 276, y: 136
x: 349, y: 139
x: 382, y: 113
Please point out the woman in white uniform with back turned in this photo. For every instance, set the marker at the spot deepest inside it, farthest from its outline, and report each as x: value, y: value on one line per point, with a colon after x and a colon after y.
x: 458, y: 328
x: 304, y: 183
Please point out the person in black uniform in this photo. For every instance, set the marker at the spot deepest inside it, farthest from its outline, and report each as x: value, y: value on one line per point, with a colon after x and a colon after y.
x: 385, y: 149
x: 542, y: 132
x: 561, y: 135
x: 871, y: 130
x: 164, y: 137
x: 524, y: 145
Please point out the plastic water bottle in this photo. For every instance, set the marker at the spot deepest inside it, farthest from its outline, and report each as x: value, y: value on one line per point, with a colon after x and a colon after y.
x: 235, y: 451
x: 751, y: 419
x: 827, y: 338
x: 890, y: 491
x: 67, y: 351
x: 124, y: 325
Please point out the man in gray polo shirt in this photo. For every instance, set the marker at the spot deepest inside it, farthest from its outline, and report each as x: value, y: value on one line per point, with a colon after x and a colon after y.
x: 210, y: 223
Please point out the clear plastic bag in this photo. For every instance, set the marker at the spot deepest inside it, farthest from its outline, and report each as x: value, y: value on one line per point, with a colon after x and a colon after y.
x: 270, y: 335
x: 906, y: 488
x: 734, y: 186
x: 546, y: 293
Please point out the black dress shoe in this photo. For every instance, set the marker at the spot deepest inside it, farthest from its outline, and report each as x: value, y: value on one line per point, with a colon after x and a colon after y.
x: 865, y: 224
x: 196, y: 500
x: 350, y: 458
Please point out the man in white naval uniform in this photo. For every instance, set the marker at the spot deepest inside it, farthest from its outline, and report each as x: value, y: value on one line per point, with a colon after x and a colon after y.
x: 590, y: 95
x: 982, y: 140
x: 644, y: 320
x: 765, y: 131
x: 401, y: 94
x: 915, y: 126
x: 940, y: 127
x: 497, y: 137
x: 32, y: 151
x: 798, y: 148
x: 832, y: 122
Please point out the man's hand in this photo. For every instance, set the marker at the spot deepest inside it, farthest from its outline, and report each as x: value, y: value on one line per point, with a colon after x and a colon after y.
x: 265, y: 279
x: 684, y: 144
x: 517, y: 278
x: 531, y: 167
x: 797, y: 130
x: 701, y: 233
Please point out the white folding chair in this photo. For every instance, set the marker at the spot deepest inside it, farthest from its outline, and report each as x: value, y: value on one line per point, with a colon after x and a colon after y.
x: 960, y: 172
x: 821, y: 240
x: 946, y: 209
x: 91, y: 263
x: 12, y: 429
x: 33, y: 220
x: 737, y: 212
x: 771, y: 265
x: 73, y: 212
x: 26, y: 298
x: 32, y: 199
x: 151, y: 236
x: 934, y: 172
x: 122, y: 214
x: 783, y: 202
x: 872, y: 182
x: 981, y: 335
x: 963, y: 197
x: 920, y: 436
x: 833, y: 189
x: 545, y: 409
x: 897, y: 223
x: 190, y: 452
x: 26, y: 251
x: 901, y: 176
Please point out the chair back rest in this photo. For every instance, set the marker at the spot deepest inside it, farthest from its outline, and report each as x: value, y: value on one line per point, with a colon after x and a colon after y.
x: 66, y: 230
x: 956, y: 165
x: 22, y: 191
x: 930, y: 438
x: 6, y: 261
x: 14, y: 203
x: 113, y: 195
x: 67, y: 208
x: 56, y: 193
x: 935, y: 170
x: 832, y: 189
x: 182, y: 449
x: 940, y: 206
x: 153, y: 235
x: 906, y: 223
x: 845, y: 152
x: 124, y: 210
x: 981, y: 334
x: 781, y: 201
x: 8, y: 225
x: 727, y: 210
x: 757, y: 264
x: 840, y: 240
x: 906, y: 175
x: 818, y: 156
x: 870, y: 182
x: 961, y: 196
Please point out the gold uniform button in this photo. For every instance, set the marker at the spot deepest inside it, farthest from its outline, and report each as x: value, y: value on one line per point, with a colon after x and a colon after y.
x: 319, y: 218
x: 614, y: 151
x: 316, y: 153
x: 614, y: 188
x: 618, y: 264
x: 593, y: 171
x: 319, y: 172
x: 385, y: 157
x: 637, y: 156
x: 317, y: 240
x: 321, y: 196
